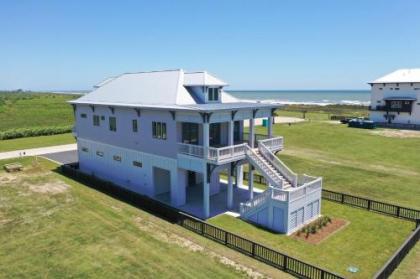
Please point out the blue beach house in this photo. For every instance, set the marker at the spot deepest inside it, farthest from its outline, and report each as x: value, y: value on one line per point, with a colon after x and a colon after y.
x: 171, y: 134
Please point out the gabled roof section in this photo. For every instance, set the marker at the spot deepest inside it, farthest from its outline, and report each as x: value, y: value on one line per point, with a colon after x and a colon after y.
x: 202, y: 79
x: 146, y: 88
x: 400, y: 76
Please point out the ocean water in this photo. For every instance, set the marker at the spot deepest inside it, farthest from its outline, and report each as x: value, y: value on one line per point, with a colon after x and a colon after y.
x: 314, y: 97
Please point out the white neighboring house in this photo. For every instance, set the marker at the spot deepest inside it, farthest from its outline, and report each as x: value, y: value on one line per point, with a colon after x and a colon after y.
x: 395, y: 98
x: 170, y: 134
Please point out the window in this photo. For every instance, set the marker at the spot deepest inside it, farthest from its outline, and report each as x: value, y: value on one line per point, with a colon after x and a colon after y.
x: 117, y: 158
x: 137, y: 164
x: 100, y: 153
x: 397, y: 89
x: 112, y: 124
x: 96, y: 120
x: 102, y: 117
x: 396, y: 104
x: 135, y: 126
x: 213, y: 94
x: 159, y: 130
x: 83, y: 115
x: 85, y: 149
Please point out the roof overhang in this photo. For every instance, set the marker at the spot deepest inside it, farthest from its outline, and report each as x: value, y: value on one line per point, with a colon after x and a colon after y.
x: 395, y: 98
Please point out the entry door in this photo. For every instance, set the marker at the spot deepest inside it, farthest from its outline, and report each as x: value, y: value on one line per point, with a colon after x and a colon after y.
x: 191, y: 179
x: 237, y: 131
x: 215, y: 134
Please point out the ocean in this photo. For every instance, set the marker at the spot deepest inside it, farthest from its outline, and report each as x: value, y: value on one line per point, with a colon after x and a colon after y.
x: 311, y: 97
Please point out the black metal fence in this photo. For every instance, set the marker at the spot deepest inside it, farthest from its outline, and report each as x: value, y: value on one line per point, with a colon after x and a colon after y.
x: 233, y: 241
x: 255, y: 250
x: 399, y: 255
x: 372, y: 205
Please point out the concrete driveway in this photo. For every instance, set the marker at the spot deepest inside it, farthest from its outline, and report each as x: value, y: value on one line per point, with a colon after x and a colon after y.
x: 64, y: 157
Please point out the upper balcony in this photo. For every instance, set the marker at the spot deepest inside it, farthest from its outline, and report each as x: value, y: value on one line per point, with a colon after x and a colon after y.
x: 225, y: 154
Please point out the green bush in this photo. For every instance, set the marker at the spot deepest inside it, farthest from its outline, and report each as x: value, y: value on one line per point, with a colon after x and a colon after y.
x: 33, y: 132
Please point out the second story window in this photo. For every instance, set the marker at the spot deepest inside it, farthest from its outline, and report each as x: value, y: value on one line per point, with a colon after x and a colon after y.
x: 96, y: 120
x: 135, y: 126
x: 83, y: 115
x: 159, y: 130
x: 213, y: 94
x: 112, y: 124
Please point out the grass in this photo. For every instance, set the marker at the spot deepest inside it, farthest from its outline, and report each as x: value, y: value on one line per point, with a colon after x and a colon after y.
x: 410, y: 267
x: 78, y: 232
x: 354, y: 161
x: 34, y: 142
x: 367, y: 242
x: 28, y: 110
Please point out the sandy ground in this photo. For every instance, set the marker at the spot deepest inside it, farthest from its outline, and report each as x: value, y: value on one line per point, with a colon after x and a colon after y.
x: 392, y: 133
x: 277, y: 119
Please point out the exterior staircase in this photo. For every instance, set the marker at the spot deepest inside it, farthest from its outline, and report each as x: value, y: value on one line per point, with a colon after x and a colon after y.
x: 270, y: 208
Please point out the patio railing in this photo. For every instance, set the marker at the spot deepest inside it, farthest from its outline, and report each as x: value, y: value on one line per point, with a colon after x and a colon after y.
x: 214, y: 154
x: 273, y: 144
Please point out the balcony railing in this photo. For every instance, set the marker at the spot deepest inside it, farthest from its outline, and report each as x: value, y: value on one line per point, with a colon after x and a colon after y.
x: 273, y: 144
x: 216, y: 155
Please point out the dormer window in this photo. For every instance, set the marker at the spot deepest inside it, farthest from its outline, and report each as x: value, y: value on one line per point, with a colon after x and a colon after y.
x: 213, y: 94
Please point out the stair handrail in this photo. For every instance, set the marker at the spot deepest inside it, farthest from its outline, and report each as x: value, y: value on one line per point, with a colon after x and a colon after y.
x: 245, y: 207
x: 281, y: 167
x: 249, y: 149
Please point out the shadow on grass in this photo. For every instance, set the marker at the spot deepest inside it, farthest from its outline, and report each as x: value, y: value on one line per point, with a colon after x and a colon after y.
x: 142, y: 202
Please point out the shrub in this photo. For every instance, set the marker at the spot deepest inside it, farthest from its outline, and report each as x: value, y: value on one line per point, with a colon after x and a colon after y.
x: 312, y: 229
x: 33, y: 132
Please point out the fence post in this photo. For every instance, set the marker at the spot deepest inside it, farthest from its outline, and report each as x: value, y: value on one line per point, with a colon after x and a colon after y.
x: 398, y: 211
x: 342, y: 198
x: 368, y: 207
x: 202, y: 228
x: 253, y: 249
x: 226, y: 237
x: 322, y: 274
x: 285, y: 262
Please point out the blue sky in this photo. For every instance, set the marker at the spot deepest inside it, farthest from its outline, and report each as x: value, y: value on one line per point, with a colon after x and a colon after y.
x: 313, y: 44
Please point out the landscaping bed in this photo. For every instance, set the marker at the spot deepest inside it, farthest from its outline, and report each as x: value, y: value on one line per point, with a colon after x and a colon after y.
x: 319, y: 230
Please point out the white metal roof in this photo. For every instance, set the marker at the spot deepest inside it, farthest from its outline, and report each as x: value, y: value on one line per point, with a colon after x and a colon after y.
x: 160, y: 89
x: 400, y: 76
x: 202, y: 78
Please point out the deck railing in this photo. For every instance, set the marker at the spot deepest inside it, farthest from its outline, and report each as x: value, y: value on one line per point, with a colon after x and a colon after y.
x: 217, y: 155
x: 273, y: 144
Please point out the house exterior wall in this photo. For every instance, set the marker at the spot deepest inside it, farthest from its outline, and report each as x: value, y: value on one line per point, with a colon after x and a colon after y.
x: 379, y: 92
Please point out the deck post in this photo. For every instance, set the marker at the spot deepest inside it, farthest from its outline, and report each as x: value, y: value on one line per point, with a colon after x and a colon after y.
x: 230, y: 188
x: 239, y: 176
x: 251, y: 181
x: 206, y: 193
x: 270, y: 127
x: 206, y: 139
x: 251, y: 139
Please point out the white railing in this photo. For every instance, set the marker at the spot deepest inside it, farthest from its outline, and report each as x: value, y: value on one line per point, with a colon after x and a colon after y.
x: 272, y: 143
x: 255, y: 202
x: 265, y: 169
x: 191, y: 149
x: 305, y: 189
x: 278, y: 164
x: 214, y: 154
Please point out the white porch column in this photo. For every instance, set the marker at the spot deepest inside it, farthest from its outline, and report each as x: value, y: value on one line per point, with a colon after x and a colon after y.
x: 251, y: 132
x: 270, y: 127
x: 178, y: 187
x: 239, y: 176
x: 251, y: 181
x: 206, y: 139
x: 230, y: 133
x: 230, y: 188
x: 206, y: 194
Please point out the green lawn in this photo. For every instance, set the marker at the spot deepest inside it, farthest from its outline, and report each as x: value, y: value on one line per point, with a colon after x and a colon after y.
x: 28, y: 110
x: 51, y: 226
x: 34, y: 142
x: 356, y: 161
x: 367, y: 242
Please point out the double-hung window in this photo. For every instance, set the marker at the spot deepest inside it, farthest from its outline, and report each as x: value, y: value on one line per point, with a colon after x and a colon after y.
x: 96, y: 120
x: 112, y: 124
x: 159, y: 130
x: 135, y: 126
x: 213, y: 94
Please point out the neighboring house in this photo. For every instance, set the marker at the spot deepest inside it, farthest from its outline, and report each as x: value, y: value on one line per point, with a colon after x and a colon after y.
x: 170, y: 134
x: 395, y: 98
